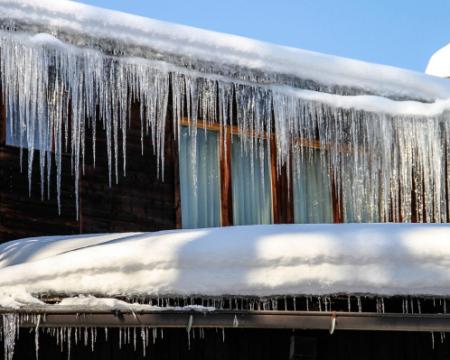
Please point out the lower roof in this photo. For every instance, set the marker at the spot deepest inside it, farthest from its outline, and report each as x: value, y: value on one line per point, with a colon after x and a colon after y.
x: 259, y: 261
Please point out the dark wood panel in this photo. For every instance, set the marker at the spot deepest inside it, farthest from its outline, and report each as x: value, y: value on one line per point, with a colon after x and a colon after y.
x: 22, y: 215
x: 140, y: 201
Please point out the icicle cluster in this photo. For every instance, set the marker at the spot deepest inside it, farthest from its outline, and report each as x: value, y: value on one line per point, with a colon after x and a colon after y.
x: 10, y: 332
x: 141, y: 337
x: 385, y: 168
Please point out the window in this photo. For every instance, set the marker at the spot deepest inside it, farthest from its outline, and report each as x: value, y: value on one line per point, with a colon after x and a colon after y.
x: 199, y: 178
x: 251, y: 183
x: 226, y: 181
x: 312, y: 188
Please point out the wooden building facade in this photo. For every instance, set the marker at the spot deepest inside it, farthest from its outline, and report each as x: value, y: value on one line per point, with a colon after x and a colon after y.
x: 132, y: 137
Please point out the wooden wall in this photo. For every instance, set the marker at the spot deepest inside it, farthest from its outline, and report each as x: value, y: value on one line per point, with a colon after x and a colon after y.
x: 140, y: 202
x: 249, y: 345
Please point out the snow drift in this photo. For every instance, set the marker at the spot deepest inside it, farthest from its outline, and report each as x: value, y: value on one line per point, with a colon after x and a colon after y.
x: 263, y: 260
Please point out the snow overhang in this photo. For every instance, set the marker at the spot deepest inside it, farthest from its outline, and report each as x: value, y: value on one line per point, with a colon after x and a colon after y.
x: 215, y: 53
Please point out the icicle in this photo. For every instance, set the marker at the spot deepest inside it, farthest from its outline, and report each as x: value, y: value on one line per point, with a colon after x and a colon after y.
x: 235, y: 321
x: 10, y: 329
x: 144, y: 344
x: 60, y: 338
x: 188, y: 329
x: 92, y: 339
x: 359, y: 303
x: 69, y: 342
x: 223, y: 335
x: 36, y: 336
x: 432, y: 340
x: 86, y: 336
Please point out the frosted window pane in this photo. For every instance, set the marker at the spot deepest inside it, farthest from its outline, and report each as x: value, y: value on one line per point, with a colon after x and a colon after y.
x: 312, y: 189
x: 199, y: 179
x: 251, y: 183
x: 19, y: 134
x: 358, y: 205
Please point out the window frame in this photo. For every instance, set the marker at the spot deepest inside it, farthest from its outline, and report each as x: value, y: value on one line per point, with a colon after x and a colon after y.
x: 2, y: 122
x: 281, y: 182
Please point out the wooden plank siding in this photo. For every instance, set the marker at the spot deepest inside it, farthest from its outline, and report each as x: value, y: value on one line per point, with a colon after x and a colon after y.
x: 139, y: 202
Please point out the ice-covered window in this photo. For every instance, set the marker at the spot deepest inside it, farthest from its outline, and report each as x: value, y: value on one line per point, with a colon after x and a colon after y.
x: 227, y: 179
x: 199, y: 178
x: 251, y: 183
x: 311, y: 188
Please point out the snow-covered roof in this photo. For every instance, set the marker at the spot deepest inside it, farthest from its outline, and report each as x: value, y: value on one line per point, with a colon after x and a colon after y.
x: 264, y: 260
x: 135, y: 35
x: 439, y: 64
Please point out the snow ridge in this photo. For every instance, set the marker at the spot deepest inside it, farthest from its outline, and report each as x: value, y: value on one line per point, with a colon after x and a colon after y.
x: 263, y: 260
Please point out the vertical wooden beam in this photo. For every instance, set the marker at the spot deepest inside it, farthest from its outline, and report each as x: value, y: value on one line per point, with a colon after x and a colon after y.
x: 337, y: 202
x: 287, y: 193
x: 225, y: 176
x: 2, y: 121
x: 176, y: 172
x: 275, y: 183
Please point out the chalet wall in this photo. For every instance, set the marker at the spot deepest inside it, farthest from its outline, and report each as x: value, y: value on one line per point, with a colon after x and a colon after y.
x: 23, y: 216
x: 140, y: 202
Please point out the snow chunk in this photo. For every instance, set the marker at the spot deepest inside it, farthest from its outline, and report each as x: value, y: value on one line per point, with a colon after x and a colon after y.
x: 263, y: 260
x: 439, y: 64
x: 46, y: 39
x: 17, y: 298
x: 106, y: 304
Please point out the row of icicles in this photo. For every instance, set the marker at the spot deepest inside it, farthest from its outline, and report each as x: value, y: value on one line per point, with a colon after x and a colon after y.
x: 385, y: 168
x: 140, y: 337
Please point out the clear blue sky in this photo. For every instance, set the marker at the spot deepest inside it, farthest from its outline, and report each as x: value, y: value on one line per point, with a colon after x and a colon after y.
x: 395, y: 32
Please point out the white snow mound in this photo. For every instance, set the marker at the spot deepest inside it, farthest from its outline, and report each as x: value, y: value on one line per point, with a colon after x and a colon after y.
x: 439, y: 64
x: 263, y: 260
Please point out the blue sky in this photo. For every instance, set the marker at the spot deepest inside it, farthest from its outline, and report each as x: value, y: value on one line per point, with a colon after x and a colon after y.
x: 401, y: 33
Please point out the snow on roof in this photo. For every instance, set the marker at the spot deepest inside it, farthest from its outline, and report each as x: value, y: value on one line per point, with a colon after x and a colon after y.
x: 263, y: 260
x: 66, y: 16
x: 439, y: 64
